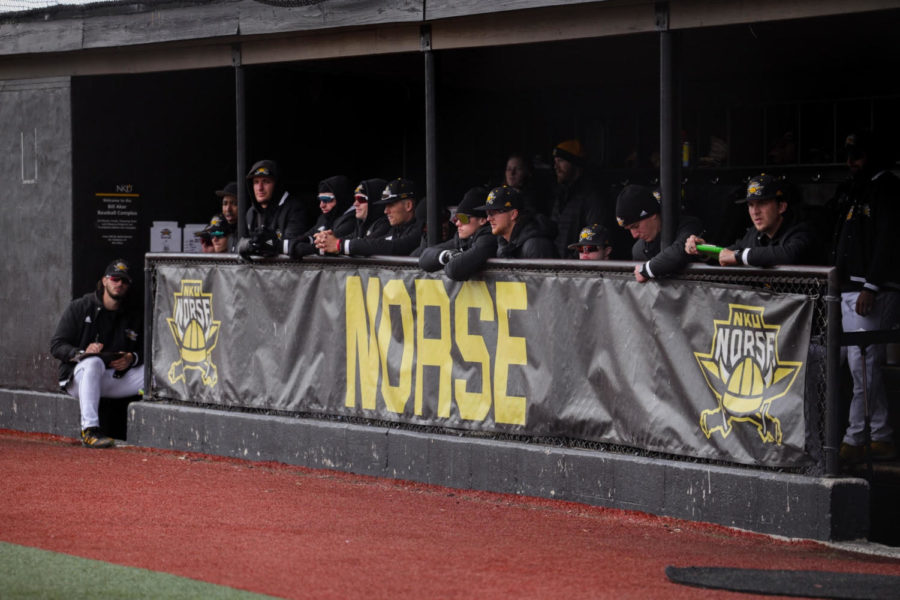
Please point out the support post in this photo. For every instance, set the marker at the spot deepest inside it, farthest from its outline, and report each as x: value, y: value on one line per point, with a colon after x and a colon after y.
x: 433, y: 219
x: 240, y: 114
x: 148, y: 328
x: 669, y: 157
x: 832, y: 375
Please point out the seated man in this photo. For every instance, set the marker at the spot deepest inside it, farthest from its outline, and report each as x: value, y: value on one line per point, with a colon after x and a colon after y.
x: 520, y: 233
x: 464, y: 254
x: 638, y: 211
x: 399, y: 202
x: 97, y: 343
x: 335, y: 199
x: 778, y: 235
x: 593, y: 243
x: 214, y: 237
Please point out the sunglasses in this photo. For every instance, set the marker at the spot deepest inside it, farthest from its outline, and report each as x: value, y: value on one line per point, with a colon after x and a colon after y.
x: 117, y: 279
x: 327, y: 198
x: 587, y: 249
x: 463, y: 218
x: 361, y: 198
x: 496, y: 211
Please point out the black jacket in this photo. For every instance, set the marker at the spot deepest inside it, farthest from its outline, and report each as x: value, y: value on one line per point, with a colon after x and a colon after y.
x: 532, y: 237
x: 576, y: 205
x: 795, y: 243
x: 866, y: 253
x: 377, y: 227
x: 341, y: 219
x: 400, y: 240
x: 284, y: 215
x: 662, y: 262
x: 469, y: 258
x: 86, y: 321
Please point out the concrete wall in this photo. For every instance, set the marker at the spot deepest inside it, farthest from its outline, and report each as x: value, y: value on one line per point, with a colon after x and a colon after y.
x: 36, y: 220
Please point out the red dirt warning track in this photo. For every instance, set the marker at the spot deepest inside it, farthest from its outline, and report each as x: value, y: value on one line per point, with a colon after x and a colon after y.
x: 299, y: 533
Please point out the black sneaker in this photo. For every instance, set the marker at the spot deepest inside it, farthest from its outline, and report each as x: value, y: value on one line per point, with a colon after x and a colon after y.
x: 92, y: 437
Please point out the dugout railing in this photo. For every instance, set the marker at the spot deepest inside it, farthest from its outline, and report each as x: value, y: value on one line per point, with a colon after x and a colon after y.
x: 816, y: 287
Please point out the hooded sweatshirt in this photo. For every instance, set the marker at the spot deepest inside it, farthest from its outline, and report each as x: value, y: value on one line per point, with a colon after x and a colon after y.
x: 341, y: 219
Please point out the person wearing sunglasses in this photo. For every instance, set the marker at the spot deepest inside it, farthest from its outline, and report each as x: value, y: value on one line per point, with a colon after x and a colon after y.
x: 638, y: 212
x: 520, y: 233
x: 335, y: 199
x: 468, y: 250
x: 593, y: 243
x: 398, y: 202
x: 98, y: 344
x: 214, y: 237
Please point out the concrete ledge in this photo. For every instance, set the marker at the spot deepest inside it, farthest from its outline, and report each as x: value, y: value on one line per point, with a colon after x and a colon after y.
x: 39, y: 412
x: 788, y: 505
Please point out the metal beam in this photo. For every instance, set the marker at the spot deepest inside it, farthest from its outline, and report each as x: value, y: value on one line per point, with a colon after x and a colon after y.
x: 669, y: 158
x: 431, y: 191
x: 240, y: 119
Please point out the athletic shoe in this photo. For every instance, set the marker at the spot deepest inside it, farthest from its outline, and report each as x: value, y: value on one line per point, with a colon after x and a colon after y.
x: 879, y: 451
x: 92, y: 437
x: 884, y: 451
x: 851, y: 454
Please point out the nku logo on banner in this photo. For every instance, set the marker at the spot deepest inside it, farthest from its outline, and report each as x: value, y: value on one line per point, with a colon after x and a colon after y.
x: 745, y: 374
x: 195, y: 332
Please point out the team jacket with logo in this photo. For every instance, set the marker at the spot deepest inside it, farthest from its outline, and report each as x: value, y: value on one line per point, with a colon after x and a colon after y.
x: 86, y: 321
x: 866, y: 249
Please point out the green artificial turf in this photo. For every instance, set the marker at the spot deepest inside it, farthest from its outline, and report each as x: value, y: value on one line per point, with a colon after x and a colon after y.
x: 32, y: 573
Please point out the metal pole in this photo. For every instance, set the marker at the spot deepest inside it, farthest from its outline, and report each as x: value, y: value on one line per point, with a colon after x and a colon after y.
x: 832, y: 375
x: 148, y: 329
x: 431, y: 192
x: 669, y: 160
x: 240, y: 114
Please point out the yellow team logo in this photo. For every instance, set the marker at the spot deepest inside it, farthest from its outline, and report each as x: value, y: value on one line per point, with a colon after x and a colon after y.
x: 195, y: 332
x: 745, y: 374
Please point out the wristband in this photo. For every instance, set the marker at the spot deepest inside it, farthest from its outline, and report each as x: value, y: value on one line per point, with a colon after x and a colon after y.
x: 337, y: 247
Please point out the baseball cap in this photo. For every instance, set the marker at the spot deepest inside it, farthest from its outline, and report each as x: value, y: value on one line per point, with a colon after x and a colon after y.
x: 217, y: 227
x: 398, y: 189
x: 570, y: 150
x: 230, y: 189
x: 264, y: 168
x: 635, y: 203
x: 472, y: 202
x: 766, y: 187
x: 592, y: 235
x: 118, y: 268
x: 503, y: 199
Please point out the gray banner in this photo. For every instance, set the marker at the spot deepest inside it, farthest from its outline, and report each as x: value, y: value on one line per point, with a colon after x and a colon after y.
x: 687, y: 368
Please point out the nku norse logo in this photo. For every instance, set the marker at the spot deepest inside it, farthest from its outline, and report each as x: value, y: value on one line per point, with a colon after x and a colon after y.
x: 745, y: 374
x: 195, y: 332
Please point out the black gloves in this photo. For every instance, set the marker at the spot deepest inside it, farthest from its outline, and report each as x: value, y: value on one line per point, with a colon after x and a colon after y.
x: 445, y: 256
x: 262, y: 242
